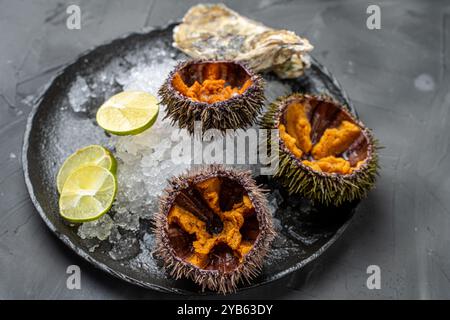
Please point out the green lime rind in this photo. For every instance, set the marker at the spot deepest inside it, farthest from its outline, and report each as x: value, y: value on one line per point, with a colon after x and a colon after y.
x: 113, y: 167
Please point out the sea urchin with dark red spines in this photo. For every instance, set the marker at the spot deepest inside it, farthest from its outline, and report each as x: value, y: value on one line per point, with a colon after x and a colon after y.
x: 213, y: 227
x: 325, y: 153
x: 221, y: 94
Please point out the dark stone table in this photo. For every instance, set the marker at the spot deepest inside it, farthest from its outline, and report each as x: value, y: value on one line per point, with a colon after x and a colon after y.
x: 398, y: 78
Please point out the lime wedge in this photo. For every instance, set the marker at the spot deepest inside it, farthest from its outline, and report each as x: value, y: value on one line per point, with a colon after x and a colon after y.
x: 128, y: 113
x: 90, y: 155
x: 87, y: 194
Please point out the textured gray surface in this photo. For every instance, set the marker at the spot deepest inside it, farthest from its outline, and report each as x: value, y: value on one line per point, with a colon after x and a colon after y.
x: 397, y: 77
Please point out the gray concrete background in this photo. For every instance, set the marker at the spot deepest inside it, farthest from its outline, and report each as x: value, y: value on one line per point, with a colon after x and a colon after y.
x: 398, y: 78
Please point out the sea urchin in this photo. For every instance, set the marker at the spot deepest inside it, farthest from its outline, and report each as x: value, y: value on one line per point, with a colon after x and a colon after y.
x: 213, y: 227
x: 326, y: 154
x: 221, y: 94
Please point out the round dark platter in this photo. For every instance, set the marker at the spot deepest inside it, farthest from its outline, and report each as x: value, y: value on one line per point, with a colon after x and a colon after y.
x: 54, y: 130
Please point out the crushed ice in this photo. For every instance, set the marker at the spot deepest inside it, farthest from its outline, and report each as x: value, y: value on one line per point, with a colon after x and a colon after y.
x: 100, y: 228
x: 144, y: 160
x: 79, y: 95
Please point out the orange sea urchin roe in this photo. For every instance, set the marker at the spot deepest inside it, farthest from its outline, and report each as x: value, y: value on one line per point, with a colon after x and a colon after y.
x: 330, y: 164
x: 232, y: 221
x: 212, y: 89
x: 336, y: 140
x: 290, y: 141
x: 298, y: 126
x: 296, y: 133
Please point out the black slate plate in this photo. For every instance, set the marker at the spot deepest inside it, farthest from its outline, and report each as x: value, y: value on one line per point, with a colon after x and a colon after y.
x: 54, y: 131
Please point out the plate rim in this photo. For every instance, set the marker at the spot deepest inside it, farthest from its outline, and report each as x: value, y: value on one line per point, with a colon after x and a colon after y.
x: 83, y: 253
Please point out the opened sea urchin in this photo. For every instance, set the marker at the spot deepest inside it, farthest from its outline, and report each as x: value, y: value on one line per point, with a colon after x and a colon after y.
x: 326, y: 154
x: 213, y: 227
x: 220, y: 94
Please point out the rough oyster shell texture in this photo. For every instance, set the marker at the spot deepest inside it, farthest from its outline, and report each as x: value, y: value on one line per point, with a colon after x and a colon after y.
x: 217, y: 32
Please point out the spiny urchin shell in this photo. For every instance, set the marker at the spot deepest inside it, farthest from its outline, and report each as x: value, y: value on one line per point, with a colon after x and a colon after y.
x: 327, y: 188
x: 238, y: 112
x: 223, y: 268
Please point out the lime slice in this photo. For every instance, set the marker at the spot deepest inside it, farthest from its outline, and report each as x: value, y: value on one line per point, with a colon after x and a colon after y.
x: 87, y: 194
x: 128, y: 113
x: 90, y: 155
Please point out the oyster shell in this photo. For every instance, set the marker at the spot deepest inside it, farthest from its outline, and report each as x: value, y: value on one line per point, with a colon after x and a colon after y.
x: 217, y: 32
